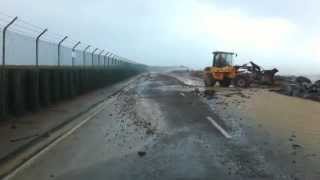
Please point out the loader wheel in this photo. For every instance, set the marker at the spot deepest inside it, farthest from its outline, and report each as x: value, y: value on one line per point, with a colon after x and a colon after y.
x: 241, y: 82
x: 225, y: 82
x: 209, y: 81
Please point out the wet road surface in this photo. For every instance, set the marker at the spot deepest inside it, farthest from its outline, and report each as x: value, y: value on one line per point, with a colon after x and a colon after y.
x: 156, y: 128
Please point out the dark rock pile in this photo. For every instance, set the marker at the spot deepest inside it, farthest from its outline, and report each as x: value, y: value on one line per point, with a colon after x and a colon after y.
x: 300, y: 87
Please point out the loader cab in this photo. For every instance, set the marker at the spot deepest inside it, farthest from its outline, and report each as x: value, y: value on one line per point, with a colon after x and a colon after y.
x: 222, y: 59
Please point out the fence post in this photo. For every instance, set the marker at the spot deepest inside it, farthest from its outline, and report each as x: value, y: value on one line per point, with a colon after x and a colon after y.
x: 59, y: 51
x: 117, y: 60
x: 4, y: 40
x: 99, y: 56
x: 92, y: 55
x: 3, y: 73
x: 104, y: 59
x: 112, y: 59
x: 37, y: 45
x: 109, y: 59
x: 73, y: 51
x: 35, y: 88
x: 84, y: 54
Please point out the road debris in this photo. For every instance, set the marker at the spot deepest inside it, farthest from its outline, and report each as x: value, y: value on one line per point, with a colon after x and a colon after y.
x: 13, y: 126
x: 141, y: 153
x: 196, y: 91
x: 300, y: 87
x: 209, y: 93
x: 296, y: 146
x: 150, y: 131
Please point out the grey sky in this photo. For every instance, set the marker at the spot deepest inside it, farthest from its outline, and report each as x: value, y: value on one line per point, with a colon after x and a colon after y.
x: 281, y: 33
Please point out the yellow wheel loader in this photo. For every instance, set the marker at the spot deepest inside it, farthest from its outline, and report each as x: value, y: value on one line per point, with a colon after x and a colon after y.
x: 224, y: 72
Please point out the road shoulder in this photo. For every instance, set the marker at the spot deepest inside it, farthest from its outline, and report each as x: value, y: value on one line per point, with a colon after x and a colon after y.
x: 29, y: 135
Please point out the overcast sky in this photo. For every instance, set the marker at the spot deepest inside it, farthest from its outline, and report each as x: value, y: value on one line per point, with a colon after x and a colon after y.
x: 274, y: 33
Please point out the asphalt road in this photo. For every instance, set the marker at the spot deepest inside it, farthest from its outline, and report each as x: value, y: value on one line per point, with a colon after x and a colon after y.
x: 157, y: 128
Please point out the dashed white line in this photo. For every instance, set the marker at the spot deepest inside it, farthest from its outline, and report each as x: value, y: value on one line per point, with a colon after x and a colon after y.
x: 220, y: 129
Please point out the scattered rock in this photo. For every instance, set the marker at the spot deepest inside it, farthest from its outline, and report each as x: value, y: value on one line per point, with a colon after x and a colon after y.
x: 209, y: 93
x: 110, y: 114
x: 311, y: 155
x: 196, y: 91
x: 301, y: 87
x: 150, y: 131
x: 265, y: 143
x: 296, y: 146
x: 141, y: 153
x: 46, y: 135
x: 106, y: 134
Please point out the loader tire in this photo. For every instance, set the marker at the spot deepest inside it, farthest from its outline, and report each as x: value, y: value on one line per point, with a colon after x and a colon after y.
x: 225, y: 82
x: 241, y: 81
x: 208, y: 80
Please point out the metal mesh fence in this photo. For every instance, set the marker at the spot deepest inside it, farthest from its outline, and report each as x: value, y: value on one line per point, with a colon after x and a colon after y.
x: 40, y: 68
x: 19, y: 47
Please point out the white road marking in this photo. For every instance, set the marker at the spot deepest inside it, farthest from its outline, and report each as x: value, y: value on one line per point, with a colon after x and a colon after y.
x: 221, y: 130
x: 54, y: 143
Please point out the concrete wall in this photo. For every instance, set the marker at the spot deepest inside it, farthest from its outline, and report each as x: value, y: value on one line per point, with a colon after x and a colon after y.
x: 26, y: 89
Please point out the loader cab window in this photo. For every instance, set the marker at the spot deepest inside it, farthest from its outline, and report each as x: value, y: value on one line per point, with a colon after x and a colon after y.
x: 222, y: 59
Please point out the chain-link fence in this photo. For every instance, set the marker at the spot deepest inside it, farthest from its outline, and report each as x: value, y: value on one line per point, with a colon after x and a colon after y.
x: 40, y: 68
x: 23, y: 43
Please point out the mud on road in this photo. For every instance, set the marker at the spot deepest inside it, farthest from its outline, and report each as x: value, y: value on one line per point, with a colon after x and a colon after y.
x: 284, y: 129
x: 157, y: 128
